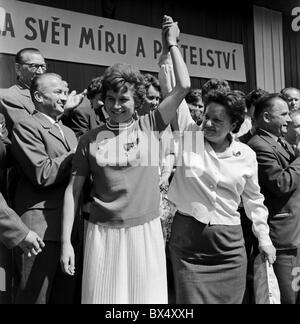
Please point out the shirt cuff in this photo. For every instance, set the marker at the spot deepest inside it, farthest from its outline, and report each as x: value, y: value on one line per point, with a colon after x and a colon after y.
x: 165, y: 59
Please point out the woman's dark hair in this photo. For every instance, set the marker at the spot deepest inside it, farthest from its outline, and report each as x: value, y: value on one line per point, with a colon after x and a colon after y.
x: 123, y: 77
x: 193, y: 96
x: 212, y: 85
x: 253, y: 96
x: 234, y: 103
x: 94, y: 87
x: 151, y: 80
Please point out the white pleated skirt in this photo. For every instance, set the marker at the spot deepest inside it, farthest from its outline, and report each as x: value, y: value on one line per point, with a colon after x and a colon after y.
x: 125, y: 265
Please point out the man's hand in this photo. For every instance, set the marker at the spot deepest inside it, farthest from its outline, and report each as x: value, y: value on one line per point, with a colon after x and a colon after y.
x: 73, y: 101
x: 32, y: 244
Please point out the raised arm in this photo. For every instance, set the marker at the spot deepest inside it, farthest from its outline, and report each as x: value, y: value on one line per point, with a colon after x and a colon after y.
x: 171, y: 102
x: 166, y: 76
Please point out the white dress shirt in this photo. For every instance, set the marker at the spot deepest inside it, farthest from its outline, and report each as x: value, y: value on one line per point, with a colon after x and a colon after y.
x: 209, y: 186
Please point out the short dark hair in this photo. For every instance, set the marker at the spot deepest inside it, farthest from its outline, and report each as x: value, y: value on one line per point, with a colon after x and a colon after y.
x: 234, y: 104
x: 151, y: 80
x: 122, y: 77
x: 265, y: 102
x: 253, y: 96
x: 94, y: 87
x: 20, y: 54
x: 214, y: 84
x: 35, y: 82
x: 193, y: 96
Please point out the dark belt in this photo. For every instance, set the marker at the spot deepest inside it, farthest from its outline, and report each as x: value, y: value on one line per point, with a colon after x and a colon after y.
x: 293, y: 252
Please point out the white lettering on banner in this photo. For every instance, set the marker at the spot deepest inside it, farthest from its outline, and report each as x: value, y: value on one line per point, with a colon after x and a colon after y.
x: 296, y: 20
x: 74, y: 37
x: 2, y: 18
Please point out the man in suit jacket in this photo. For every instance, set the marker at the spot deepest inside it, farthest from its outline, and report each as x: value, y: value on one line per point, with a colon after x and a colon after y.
x: 44, y: 149
x: 89, y: 114
x: 16, y: 102
x: 279, y: 178
x: 13, y: 232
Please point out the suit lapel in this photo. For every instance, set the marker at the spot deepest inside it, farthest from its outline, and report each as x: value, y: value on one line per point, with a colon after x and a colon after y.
x: 52, y: 129
x: 275, y: 145
x: 66, y: 137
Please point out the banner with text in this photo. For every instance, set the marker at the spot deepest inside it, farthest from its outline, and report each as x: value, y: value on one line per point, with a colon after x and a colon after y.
x: 75, y: 37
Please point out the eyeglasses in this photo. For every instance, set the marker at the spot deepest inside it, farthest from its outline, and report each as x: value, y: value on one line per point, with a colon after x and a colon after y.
x: 35, y: 67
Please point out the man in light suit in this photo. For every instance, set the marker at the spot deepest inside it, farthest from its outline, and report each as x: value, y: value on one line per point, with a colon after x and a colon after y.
x: 44, y: 149
x: 279, y: 178
x: 15, y: 102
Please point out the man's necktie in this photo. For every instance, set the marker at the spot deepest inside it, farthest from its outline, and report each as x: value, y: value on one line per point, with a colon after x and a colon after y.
x: 283, y: 143
x: 60, y: 130
x: 61, y: 133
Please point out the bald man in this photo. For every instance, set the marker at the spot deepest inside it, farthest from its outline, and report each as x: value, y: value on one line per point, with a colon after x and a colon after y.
x: 292, y: 96
x: 43, y: 148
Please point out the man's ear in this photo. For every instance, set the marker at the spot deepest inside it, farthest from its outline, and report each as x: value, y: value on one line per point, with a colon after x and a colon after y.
x: 266, y: 117
x: 18, y: 69
x: 38, y: 97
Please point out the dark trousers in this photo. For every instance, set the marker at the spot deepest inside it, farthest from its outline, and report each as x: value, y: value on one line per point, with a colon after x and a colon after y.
x: 40, y: 280
x: 287, y: 271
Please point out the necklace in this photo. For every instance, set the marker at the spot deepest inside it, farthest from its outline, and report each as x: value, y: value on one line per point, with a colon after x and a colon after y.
x: 119, y: 127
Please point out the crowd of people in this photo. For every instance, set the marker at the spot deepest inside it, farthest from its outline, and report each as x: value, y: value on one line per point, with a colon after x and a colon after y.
x: 154, y: 193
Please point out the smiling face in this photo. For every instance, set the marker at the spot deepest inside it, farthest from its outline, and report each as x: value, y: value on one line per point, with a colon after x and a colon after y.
x: 217, y: 123
x: 120, y: 106
x: 277, y: 118
x: 197, y: 110
x: 51, y: 96
x: 293, y: 98
x: 32, y: 65
x: 152, y: 98
x: 294, y: 128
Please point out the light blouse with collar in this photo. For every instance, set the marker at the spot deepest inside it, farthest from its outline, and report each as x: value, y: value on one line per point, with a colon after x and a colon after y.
x: 209, y: 186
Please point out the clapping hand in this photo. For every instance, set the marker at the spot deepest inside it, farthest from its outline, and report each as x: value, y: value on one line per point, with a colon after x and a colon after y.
x: 74, y: 100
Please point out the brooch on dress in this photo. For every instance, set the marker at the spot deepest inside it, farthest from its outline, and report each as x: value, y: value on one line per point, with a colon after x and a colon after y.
x: 130, y: 146
x: 236, y: 154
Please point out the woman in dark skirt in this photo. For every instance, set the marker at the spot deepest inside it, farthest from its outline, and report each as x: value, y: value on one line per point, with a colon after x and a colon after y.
x: 213, y: 172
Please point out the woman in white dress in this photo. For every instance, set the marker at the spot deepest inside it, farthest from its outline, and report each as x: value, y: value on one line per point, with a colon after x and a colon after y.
x: 124, y: 261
